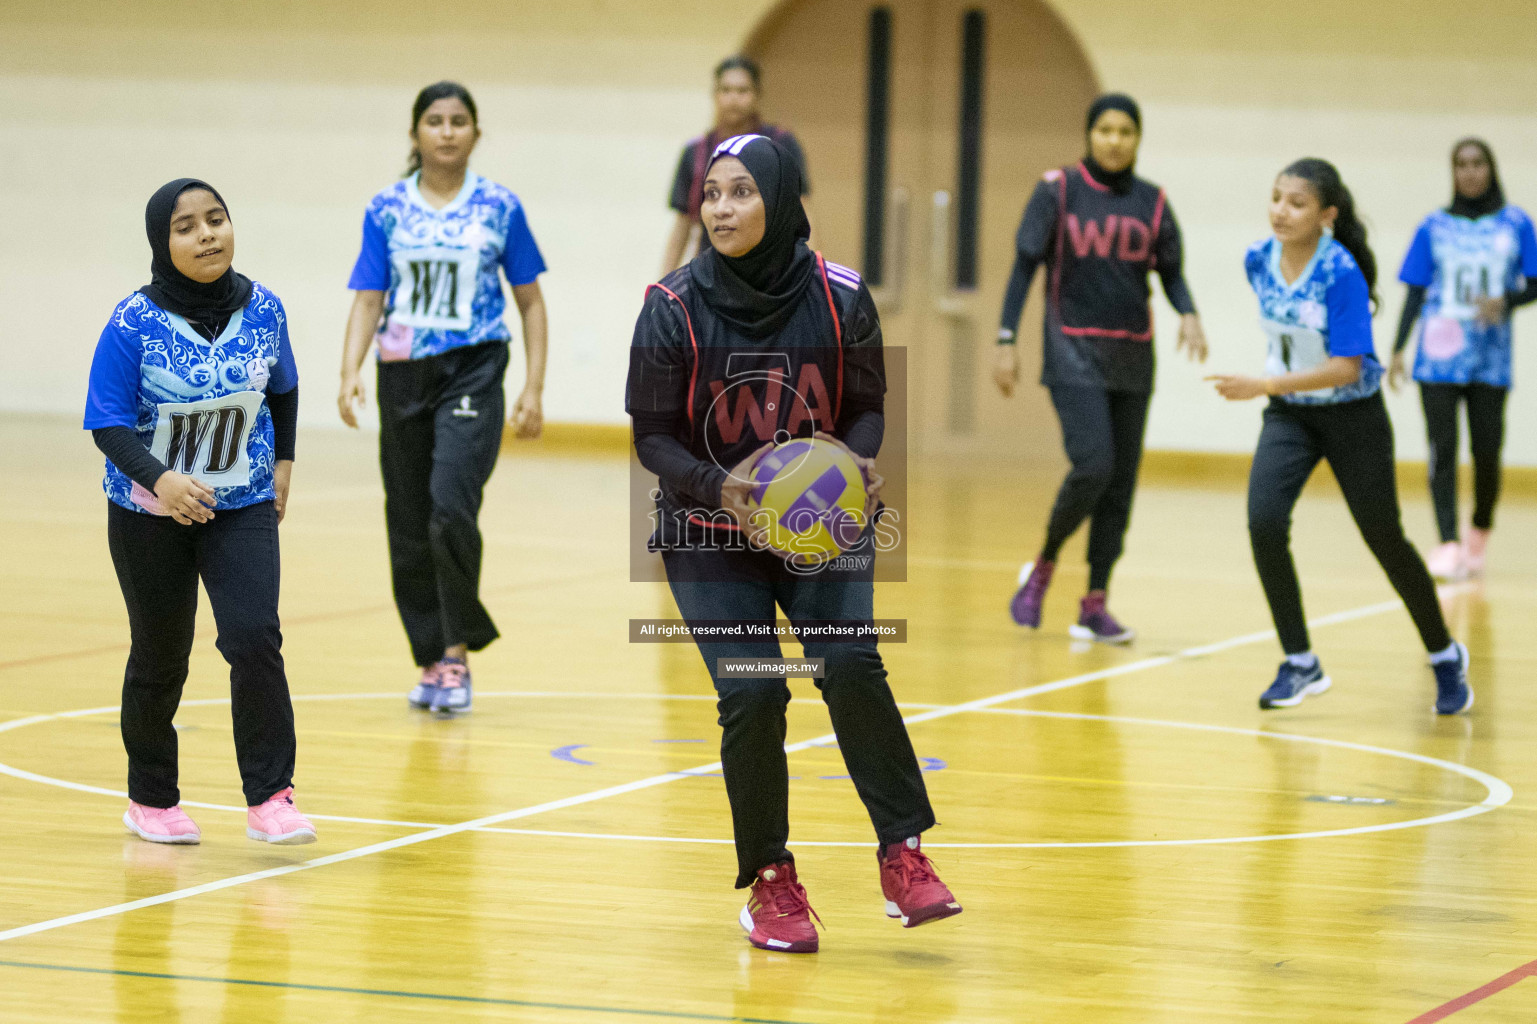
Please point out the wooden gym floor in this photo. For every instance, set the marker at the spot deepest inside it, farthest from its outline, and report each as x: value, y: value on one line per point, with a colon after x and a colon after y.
x: 1134, y: 841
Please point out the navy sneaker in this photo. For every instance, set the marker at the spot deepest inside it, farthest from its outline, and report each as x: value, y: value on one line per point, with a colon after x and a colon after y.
x: 453, y: 696
x: 1293, y: 683
x: 1453, y: 694
x: 426, y: 688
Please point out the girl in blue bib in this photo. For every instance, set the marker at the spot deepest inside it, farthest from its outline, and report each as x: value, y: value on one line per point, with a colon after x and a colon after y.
x: 428, y: 292
x: 1314, y: 279
x: 1468, y: 267
x: 193, y: 398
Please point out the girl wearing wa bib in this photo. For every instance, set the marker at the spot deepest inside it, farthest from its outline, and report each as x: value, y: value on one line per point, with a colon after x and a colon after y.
x: 193, y: 398
x: 1468, y: 267
x: 428, y: 284
x: 1314, y: 282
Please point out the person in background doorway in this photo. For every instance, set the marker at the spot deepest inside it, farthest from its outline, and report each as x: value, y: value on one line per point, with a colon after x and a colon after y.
x: 737, y: 91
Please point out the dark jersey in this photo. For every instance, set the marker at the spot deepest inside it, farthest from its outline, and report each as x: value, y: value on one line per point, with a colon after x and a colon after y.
x: 719, y: 395
x: 688, y: 181
x: 1098, y: 247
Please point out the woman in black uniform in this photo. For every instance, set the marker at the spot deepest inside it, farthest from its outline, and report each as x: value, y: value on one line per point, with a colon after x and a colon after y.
x: 759, y: 296
x: 1099, y: 230
x: 737, y: 91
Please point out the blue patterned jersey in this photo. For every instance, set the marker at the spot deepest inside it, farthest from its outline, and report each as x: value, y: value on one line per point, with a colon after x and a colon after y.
x: 1326, y: 312
x: 438, y: 268
x: 1458, y: 261
x: 199, y: 406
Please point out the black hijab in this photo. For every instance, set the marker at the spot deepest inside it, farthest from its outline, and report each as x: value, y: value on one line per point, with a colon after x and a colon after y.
x: 170, y: 289
x: 1119, y: 182
x: 757, y: 292
x: 1493, y: 198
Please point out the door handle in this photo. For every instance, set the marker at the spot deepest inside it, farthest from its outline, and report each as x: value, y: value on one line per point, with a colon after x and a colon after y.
x: 896, y: 250
x: 941, y: 231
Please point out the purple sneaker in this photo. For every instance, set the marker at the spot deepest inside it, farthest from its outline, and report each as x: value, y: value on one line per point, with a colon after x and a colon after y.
x: 1034, y: 578
x: 1096, y: 623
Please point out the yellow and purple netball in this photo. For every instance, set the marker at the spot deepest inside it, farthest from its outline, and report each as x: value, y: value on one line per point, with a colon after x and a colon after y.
x: 810, y: 495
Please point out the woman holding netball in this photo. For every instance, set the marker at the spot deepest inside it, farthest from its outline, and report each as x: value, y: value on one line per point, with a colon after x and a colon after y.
x: 428, y: 289
x: 759, y: 297
x: 1315, y: 279
x: 1468, y: 267
x: 193, y: 399
x: 1099, y: 230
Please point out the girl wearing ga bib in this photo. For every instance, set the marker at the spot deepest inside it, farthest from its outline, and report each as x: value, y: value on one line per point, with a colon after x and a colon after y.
x: 1314, y: 281
x: 1467, y: 268
x: 428, y: 289
x: 193, y: 398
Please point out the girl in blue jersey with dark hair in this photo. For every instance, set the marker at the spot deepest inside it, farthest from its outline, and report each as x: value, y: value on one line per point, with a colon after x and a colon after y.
x: 1468, y: 267
x: 428, y: 284
x: 194, y: 398
x: 1315, y: 279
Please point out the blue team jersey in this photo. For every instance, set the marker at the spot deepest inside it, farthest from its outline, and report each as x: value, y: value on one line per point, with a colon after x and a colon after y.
x: 199, y: 406
x: 438, y: 268
x: 1458, y: 261
x: 1326, y: 312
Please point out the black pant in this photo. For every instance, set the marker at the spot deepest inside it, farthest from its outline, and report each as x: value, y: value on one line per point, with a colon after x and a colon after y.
x: 1357, y: 439
x: 158, y: 563
x: 745, y: 586
x: 1486, y: 431
x: 440, y: 422
x: 1102, y: 432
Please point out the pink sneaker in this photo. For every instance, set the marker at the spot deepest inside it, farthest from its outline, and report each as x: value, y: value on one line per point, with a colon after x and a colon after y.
x: 161, y: 824
x: 1445, y: 562
x: 279, y: 821
x: 1473, y: 551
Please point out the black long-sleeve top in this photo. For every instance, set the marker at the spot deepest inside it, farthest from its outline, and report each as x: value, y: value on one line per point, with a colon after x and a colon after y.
x: 702, y: 396
x: 1098, y: 247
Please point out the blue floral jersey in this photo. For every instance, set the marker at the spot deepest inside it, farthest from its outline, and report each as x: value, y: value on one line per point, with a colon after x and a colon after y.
x: 199, y: 406
x: 438, y: 268
x: 1326, y: 312
x: 1458, y: 261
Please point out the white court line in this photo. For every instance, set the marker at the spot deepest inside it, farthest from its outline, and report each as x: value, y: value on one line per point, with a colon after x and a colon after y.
x: 629, y: 787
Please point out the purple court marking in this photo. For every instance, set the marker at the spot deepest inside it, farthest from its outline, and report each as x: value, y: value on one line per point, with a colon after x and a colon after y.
x: 926, y: 764
x: 568, y: 753
x: 677, y: 741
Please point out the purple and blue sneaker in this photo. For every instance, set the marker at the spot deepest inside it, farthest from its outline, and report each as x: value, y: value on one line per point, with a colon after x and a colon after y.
x: 1453, y: 694
x: 453, y: 696
x: 1034, y: 578
x: 1096, y: 623
x: 426, y: 688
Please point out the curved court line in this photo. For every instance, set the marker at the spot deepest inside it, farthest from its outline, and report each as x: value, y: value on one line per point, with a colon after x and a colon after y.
x: 1498, y: 793
x: 629, y: 787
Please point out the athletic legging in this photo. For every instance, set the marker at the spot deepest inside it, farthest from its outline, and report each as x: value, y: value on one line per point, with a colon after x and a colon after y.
x: 1102, y: 433
x: 1357, y: 439
x: 1486, y: 431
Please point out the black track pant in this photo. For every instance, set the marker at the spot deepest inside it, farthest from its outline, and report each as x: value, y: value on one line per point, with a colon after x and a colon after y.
x: 440, y: 424
x: 1357, y: 440
x: 745, y: 586
x: 1102, y: 432
x: 1486, y: 431
x: 158, y: 563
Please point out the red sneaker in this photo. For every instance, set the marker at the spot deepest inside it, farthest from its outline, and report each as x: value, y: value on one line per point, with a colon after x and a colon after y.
x: 778, y: 915
x: 913, y: 891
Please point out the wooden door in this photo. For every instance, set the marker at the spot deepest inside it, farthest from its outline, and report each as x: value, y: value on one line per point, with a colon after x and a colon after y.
x: 1001, y: 81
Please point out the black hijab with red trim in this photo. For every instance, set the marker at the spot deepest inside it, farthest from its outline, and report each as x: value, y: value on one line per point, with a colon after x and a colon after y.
x: 758, y: 292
